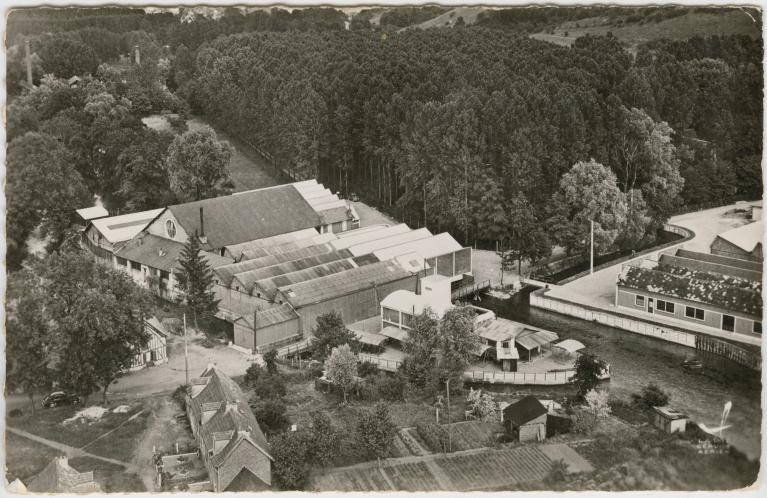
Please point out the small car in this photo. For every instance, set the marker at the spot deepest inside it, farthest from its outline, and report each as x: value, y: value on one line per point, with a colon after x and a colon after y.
x: 60, y: 398
x: 354, y: 197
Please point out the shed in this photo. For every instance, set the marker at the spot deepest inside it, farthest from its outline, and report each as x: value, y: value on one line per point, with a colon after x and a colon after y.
x: 532, y: 340
x: 525, y: 420
x: 669, y: 420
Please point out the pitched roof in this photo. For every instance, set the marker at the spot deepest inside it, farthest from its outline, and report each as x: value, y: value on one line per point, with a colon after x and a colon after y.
x: 249, y: 277
x: 430, y: 247
x: 524, y: 410
x: 125, y: 226
x: 269, y: 286
x: 730, y: 293
x: 274, y: 240
x: 246, y: 481
x: 233, y: 413
x: 233, y: 219
x: 746, y: 237
x: 352, y: 237
x: 59, y: 477
x: 161, y: 253
x: 335, y: 215
x: 530, y: 338
x: 498, y: 330
x: 272, y: 316
x: 340, y: 284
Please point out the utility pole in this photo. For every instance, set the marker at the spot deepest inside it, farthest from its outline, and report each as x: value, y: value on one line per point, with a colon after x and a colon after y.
x: 29, y: 62
x: 186, y: 354
x: 592, y: 246
x: 449, y: 432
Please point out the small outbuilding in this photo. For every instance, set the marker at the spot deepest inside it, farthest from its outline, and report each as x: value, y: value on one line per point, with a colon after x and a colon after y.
x: 525, y: 420
x: 669, y: 420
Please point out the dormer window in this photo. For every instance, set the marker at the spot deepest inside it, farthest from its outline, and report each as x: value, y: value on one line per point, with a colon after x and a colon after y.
x: 170, y: 229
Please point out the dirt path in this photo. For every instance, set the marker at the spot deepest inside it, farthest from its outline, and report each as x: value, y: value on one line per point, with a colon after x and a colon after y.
x: 161, y: 411
x: 70, y: 451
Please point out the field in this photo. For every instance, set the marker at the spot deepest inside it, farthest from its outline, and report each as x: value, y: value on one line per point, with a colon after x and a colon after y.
x: 467, y: 471
x: 473, y: 434
x: 682, y: 27
x: 25, y: 458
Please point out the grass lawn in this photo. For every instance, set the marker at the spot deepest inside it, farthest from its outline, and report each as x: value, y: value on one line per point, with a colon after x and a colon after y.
x: 25, y: 458
x: 111, y: 478
x: 473, y: 434
x: 47, y: 423
x: 121, y: 443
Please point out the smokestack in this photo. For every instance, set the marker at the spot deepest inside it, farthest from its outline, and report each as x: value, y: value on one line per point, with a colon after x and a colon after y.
x: 29, y: 62
x: 138, y: 55
x: 202, y: 224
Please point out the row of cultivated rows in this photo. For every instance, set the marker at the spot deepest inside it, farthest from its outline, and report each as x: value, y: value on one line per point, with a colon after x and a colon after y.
x: 484, y: 470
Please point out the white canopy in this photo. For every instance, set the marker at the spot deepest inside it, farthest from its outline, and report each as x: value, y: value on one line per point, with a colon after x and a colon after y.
x: 570, y: 345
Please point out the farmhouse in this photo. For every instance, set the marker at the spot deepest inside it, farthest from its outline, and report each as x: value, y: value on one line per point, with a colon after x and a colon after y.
x: 525, y: 420
x: 708, y: 290
x: 742, y: 243
x: 156, y: 350
x: 231, y: 444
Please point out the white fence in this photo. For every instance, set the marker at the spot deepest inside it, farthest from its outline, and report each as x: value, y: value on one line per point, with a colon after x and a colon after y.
x: 554, y: 378
x: 612, y: 320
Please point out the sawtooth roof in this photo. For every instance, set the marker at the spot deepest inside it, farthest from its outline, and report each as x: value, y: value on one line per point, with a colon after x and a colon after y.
x: 233, y: 219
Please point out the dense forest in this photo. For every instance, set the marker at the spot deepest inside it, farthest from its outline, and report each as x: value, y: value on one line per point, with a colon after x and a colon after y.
x: 479, y: 130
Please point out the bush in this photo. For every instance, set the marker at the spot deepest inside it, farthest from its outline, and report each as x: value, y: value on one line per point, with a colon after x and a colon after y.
x: 434, y: 435
x: 290, y: 451
x: 314, y: 370
x: 271, y: 416
x: 325, y: 440
x: 179, y: 395
x: 16, y: 412
x: 269, y: 387
x: 391, y: 387
x: 650, y: 396
x: 367, y: 369
x: 270, y: 358
x: 252, y: 374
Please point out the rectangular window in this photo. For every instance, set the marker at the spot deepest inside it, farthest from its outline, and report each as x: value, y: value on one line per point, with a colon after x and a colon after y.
x: 728, y: 323
x: 164, y: 275
x: 391, y: 315
x: 122, y: 261
x: 407, y: 320
x: 666, y: 306
x: 696, y: 313
x: 758, y: 328
x: 639, y: 301
x: 135, y: 266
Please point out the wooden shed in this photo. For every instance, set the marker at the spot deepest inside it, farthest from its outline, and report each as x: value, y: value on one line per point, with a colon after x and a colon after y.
x: 525, y: 420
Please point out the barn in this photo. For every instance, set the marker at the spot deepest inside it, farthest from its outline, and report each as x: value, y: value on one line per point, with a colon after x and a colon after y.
x: 525, y: 420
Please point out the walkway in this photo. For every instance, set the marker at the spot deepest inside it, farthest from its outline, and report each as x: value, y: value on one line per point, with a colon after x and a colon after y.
x: 70, y: 451
x: 471, y: 470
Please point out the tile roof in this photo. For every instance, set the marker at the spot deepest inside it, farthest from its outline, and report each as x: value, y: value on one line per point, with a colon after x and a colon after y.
x: 524, y: 410
x: 161, y: 253
x: 340, y: 284
x: 730, y: 293
x: 125, y: 226
x: 746, y: 237
x: 233, y: 414
x: 233, y: 219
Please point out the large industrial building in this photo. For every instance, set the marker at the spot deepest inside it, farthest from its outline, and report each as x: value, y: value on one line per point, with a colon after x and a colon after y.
x: 281, y: 257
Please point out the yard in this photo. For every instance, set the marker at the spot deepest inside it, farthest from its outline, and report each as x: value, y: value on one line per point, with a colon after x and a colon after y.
x: 112, y: 478
x: 25, y: 458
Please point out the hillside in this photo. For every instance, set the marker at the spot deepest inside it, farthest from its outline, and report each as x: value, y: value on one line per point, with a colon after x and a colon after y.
x: 686, y: 26
x: 448, y: 19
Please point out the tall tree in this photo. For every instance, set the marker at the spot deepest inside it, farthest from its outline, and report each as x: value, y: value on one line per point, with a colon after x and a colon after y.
x: 527, y: 237
x: 420, y: 346
x: 195, y: 282
x: 588, y: 192
x: 197, y: 164
x: 329, y: 333
x: 376, y: 431
x: 341, y: 367
x: 457, y: 342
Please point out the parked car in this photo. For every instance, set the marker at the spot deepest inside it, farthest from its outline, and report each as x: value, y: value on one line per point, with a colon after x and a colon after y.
x: 354, y: 197
x: 60, y: 398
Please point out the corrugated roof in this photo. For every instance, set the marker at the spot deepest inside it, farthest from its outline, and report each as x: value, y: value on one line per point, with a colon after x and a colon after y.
x: 272, y: 316
x: 348, y: 239
x: 161, y: 253
x: 125, y: 226
x: 340, y: 284
x: 92, y: 213
x: 246, y: 279
x: 400, y: 238
x: 746, y: 237
x: 499, y: 330
x: 234, y: 219
x: 268, y: 287
x: 531, y: 338
x: 236, y: 249
x: 226, y: 274
x: 431, y: 247
x: 725, y: 292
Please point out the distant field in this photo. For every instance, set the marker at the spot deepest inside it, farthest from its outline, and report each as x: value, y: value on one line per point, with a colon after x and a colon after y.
x: 682, y: 27
x: 448, y: 19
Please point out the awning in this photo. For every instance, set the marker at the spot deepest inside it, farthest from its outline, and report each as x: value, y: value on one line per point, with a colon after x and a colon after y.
x: 369, y: 338
x: 394, y: 333
x: 570, y: 345
x: 531, y: 339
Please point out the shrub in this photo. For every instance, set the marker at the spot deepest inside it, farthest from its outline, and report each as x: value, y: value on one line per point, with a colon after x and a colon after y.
x: 252, y: 374
x: 391, y: 387
x: 179, y: 395
x: 434, y: 435
x: 269, y: 387
x: 325, y: 439
x: 271, y: 415
x: 314, y: 370
x: 650, y: 396
x: 270, y: 358
x: 367, y: 369
x: 16, y: 412
x: 290, y: 451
